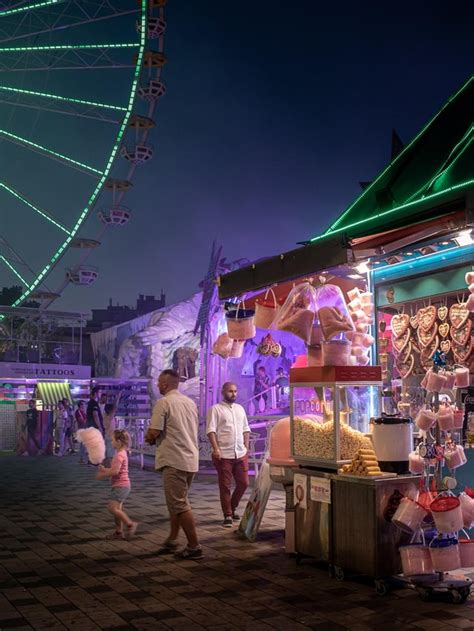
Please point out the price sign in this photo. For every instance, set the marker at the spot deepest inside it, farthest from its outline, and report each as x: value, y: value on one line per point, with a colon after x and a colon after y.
x: 320, y: 490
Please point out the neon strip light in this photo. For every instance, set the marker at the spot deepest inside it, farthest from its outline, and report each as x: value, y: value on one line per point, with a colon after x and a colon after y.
x: 33, y: 207
x: 30, y: 7
x: 338, y: 221
x: 105, y: 174
x: 58, y: 97
x: 56, y: 154
x: 448, y: 254
x: 30, y: 49
x: 17, y: 274
x: 392, y: 210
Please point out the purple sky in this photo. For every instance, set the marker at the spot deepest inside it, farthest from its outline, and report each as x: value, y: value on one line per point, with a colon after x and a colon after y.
x: 274, y: 112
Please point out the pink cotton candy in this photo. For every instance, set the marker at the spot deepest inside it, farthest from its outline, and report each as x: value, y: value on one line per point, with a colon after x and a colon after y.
x: 366, y: 297
x: 93, y: 441
x: 469, y: 278
x: 435, y: 382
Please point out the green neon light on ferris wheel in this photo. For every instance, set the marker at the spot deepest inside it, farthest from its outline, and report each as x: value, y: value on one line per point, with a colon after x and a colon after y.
x: 30, y: 7
x: 17, y: 274
x: 106, y: 172
x: 30, y: 49
x: 55, y: 154
x: 58, y: 97
x: 33, y: 207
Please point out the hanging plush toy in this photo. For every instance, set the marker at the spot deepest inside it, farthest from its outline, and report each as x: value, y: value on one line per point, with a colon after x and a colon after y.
x: 93, y: 441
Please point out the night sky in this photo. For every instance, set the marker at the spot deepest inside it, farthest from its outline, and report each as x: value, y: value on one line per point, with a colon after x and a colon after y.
x: 274, y: 112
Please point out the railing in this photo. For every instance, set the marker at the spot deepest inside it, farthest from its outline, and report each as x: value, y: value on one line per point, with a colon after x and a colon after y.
x: 260, y: 427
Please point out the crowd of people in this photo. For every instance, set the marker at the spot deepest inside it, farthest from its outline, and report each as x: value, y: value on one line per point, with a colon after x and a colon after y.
x: 173, y: 430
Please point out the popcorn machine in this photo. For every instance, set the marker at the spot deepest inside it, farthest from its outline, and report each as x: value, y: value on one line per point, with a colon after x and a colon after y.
x: 330, y: 412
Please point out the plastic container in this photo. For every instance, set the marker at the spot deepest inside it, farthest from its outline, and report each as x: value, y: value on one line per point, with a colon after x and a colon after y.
x: 354, y: 293
x: 366, y: 298
x: 368, y: 341
x: 315, y: 355
x: 237, y: 349
x: 425, y: 419
x: 467, y: 508
x: 445, y: 555
x: 409, y: 515
x: 447, y: 514
x: 297, y: 314
x: 266, y: 310
x: 416, y: 560
x: 241, y: 324
x: 280, y: 445
x: 458, y: 421
x: 336, y: 353
x: 466, y: 552
x: 334, y: 317
x: 455, y: 457
x: 416, y: 464
x: 462, y: 377
x: 445, y: 417
x: 450, y: 380
x: 435, y: 381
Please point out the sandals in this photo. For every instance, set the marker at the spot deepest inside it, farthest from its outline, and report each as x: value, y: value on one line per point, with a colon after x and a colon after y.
x: 114, y: 535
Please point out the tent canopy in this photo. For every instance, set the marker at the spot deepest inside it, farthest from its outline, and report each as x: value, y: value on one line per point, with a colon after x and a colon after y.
x: 52, y: 392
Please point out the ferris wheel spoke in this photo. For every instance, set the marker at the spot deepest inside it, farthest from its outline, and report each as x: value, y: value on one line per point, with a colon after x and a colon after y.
x: 14, y: 257
x: 15, y: 271
x: 50, y: 153
x: 59, y: 97
x: 37, y: 209
x: 64, y: 22
x: 97, y: 116
x: 20, y: 8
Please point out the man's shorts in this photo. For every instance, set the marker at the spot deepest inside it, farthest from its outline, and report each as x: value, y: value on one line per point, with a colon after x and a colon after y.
x: 176, y: 484
x: 120, y: 493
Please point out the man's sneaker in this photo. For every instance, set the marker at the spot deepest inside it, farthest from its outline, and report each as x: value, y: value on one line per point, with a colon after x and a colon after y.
x: 228, y: 522
x: 169, y: 547
x: 188, y: 553
x: 235, y: 516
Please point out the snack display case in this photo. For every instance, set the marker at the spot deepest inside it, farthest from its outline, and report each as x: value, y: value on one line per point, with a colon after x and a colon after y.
x: 346, y: 397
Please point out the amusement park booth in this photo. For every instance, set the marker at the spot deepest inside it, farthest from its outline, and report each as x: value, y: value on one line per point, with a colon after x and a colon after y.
x: 383, y: 304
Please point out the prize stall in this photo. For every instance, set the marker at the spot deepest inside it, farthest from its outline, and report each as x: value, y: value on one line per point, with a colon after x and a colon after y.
x: 380, y: 402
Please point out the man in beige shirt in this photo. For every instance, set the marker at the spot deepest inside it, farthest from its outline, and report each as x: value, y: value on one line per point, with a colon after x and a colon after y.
x: 174, y: 430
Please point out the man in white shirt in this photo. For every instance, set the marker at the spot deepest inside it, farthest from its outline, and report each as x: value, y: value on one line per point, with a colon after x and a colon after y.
x: 228, y: 431
x: 174, y: 429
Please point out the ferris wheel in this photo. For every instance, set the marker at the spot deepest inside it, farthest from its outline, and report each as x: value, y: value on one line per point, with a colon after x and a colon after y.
x: 79, y: 85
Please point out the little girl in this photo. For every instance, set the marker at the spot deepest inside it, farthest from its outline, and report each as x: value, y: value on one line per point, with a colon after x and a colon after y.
x: 118, y: 472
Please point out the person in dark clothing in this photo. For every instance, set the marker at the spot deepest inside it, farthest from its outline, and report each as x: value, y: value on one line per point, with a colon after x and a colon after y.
x: 31, y: 423
x: 94, y: 415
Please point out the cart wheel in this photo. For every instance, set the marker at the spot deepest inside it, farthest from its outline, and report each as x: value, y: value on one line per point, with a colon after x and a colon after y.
x: 381, y: 587
x: 424, y: 594
x: 455, y: 597
x: 332, y: 571
x: 338, y: 573
x: 465, y: 593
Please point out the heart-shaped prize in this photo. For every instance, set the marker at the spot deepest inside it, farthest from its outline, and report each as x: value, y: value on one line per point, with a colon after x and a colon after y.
x: 442, y: 312
x: 400, y: 323
x: 462, y: 353
x: 427, y: 317
x: 443, y: 329
x: 406, y: 368
x: 458, y: 314
x: 400, y: 343
x: 461, y: 335
x: 425, y: 337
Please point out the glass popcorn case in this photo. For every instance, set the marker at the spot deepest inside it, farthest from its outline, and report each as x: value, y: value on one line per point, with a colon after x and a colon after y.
x: 330, y: 412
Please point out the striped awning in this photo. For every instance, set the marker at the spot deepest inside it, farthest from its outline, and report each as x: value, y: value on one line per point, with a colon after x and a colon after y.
x: 52, y: 392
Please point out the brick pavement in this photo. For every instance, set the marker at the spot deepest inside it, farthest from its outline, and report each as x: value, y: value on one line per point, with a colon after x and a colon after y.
x: 58, y: 572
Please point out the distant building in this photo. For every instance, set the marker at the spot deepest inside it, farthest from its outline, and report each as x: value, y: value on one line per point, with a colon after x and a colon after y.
x: 117, y: 314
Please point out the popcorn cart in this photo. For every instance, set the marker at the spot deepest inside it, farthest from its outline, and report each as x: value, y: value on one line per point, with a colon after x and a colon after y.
x: 330, y: 412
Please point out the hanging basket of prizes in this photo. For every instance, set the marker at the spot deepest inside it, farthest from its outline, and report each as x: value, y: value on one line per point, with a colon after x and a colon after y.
x: 268, y: 346
x: 266, y: 309
x: 241, y: 323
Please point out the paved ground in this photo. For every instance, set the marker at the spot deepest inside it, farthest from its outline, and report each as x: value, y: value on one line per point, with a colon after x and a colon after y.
x: 58, y: 572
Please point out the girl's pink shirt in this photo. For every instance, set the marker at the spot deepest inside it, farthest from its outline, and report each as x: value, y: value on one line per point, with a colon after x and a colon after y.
x: 120, y: 460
